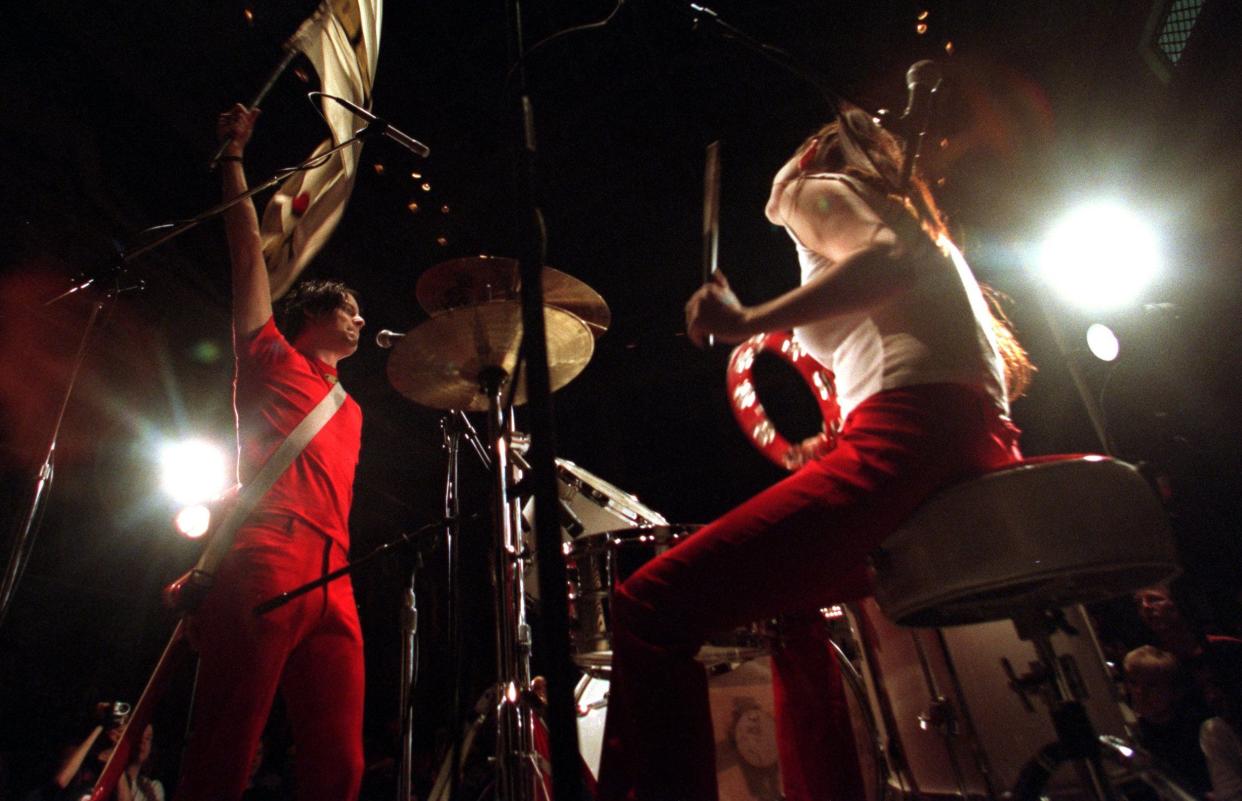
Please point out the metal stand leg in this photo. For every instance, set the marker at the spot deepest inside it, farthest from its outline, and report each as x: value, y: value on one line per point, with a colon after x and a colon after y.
x: 516, y: 763
x: 409, y: 678
x: 1077, y: 740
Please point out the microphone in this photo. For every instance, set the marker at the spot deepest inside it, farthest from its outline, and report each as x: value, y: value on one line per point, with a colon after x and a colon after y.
x: 386, y: 339
x: 381, y: 126
x: 922, y: 80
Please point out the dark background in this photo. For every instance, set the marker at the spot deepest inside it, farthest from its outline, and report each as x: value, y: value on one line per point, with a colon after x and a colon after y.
x: 108, y: 118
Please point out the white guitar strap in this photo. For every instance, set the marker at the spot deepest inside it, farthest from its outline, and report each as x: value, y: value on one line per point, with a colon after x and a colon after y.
x: 272, y: 469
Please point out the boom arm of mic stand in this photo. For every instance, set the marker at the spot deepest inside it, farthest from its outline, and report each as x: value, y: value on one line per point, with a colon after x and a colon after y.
x: 772, y: 53
x: 285, y: 597
x: 180, y: 228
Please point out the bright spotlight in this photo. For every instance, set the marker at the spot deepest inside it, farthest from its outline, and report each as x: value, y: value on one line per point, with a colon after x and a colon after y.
x: 1102, y: 342
x: 193, y: 521
x: 193, y: 471
x: 1100, y: 256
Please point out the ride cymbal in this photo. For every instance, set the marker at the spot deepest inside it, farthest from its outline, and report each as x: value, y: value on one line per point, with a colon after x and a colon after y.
x: 482, y: 279
x: 442, y: 362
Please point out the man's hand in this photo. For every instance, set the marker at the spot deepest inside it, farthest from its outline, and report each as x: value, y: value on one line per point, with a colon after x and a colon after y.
x: 236, y: 125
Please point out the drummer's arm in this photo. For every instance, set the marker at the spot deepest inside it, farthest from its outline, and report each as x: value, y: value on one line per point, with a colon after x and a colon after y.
x: 252, y: 294
x: 868, y: 264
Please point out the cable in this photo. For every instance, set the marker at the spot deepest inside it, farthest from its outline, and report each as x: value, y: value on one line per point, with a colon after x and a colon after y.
x: 549, y: 39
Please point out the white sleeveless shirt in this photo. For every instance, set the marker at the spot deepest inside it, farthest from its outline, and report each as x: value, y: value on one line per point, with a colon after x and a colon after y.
x: 938, y: 330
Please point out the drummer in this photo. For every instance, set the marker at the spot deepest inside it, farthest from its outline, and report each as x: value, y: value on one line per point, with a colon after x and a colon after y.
x: 924, y: 376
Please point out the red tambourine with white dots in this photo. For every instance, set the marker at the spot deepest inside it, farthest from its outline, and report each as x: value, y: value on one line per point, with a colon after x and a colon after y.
x: 753, y: 418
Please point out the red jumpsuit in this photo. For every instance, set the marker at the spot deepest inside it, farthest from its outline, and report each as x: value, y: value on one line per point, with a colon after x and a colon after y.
x: 799, y: 545
x: 311, y: 648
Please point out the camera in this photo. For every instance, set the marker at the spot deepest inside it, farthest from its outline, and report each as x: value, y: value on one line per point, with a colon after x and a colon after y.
x: 112, y: 714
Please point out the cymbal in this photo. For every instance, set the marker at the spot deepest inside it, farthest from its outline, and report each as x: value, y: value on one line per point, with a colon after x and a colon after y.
x: 480, y: 279
x: 439, y: 363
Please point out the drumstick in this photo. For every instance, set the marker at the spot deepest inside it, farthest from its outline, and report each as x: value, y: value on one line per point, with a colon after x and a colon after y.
x: 711, y: 216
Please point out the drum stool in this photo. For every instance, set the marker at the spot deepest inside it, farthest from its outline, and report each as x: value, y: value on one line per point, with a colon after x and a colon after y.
x: 1021, y: 543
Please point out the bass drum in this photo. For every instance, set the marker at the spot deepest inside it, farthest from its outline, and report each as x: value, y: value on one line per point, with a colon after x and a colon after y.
x: 951, y: 726
x: 745, y: 729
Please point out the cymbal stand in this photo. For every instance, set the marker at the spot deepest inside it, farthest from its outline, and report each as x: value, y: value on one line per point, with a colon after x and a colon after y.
x: 409, y: 676
x: 451, y: 431
x: 516, y: 761
x: 453, y: 428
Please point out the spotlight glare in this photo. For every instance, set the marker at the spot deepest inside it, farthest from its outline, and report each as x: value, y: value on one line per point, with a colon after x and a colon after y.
x: 193, y: 471
x: 1100, y: 256
x: 1102, y: 342
x: 193, y: 521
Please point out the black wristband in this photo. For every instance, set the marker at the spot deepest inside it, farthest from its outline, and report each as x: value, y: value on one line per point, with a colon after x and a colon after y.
x: 230, y: 158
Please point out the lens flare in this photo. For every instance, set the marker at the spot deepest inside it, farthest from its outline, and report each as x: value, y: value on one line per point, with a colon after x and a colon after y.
x: 193, y: 471
x: 1101, y: 255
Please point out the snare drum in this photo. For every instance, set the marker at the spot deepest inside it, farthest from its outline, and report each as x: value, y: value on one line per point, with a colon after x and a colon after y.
x: 596, y: 563
x: 974, y: 740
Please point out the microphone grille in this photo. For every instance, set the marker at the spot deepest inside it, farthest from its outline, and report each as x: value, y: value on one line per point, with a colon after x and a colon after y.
x: 924, y: 73
x: 386, y: 339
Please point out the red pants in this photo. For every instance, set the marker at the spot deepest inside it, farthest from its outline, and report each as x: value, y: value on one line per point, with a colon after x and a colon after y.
x: 311, y: 649
x: 798, y: 546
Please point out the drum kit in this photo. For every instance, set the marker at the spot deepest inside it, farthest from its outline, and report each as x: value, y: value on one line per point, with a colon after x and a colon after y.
x: 939, y: 711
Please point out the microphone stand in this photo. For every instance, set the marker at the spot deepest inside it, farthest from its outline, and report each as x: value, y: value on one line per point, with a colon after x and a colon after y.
x: 27, y: 530
x: 554, y: 617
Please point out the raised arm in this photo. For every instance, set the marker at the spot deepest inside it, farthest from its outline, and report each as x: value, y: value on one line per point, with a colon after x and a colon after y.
x: 252, y: 294
x: 867, y: 267
x: 73, y: 762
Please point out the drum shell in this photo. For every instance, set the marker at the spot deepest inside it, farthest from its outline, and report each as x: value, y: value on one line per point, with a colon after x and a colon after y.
x: 595, y: 564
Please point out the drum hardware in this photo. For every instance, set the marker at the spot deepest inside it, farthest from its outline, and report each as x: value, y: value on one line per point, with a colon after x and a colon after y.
x: 939, y: 717
x: 465, y: 358
x: 874, y: 741
x: 1075, y: 732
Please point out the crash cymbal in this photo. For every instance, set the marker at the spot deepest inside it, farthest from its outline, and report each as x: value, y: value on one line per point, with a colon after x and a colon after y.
x: 481, y: 279
x: 566, y: 292
x: 439, y: 363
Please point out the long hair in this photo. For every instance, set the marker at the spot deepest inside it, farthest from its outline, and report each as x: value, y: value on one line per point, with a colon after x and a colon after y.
x: 856, y: 145
x: 312, y: 298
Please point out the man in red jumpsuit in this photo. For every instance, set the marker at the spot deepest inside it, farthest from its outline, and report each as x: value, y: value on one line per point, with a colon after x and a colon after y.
x: 311, y: 648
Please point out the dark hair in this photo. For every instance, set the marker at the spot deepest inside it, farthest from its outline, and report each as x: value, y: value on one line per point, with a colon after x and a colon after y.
x: 312, y: 298
x: 856, y: 145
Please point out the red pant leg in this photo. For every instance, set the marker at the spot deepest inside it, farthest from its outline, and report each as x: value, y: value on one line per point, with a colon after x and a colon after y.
x: 323, y: 690
x: 793, y: 547
x: 815, y: 737
x: 243, y: 656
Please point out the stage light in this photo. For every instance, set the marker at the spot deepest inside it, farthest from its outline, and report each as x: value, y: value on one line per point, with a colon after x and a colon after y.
x: 193, y: 471
x: 1102, y: 342
x: 193, y: 521
x: 1100, y: 256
